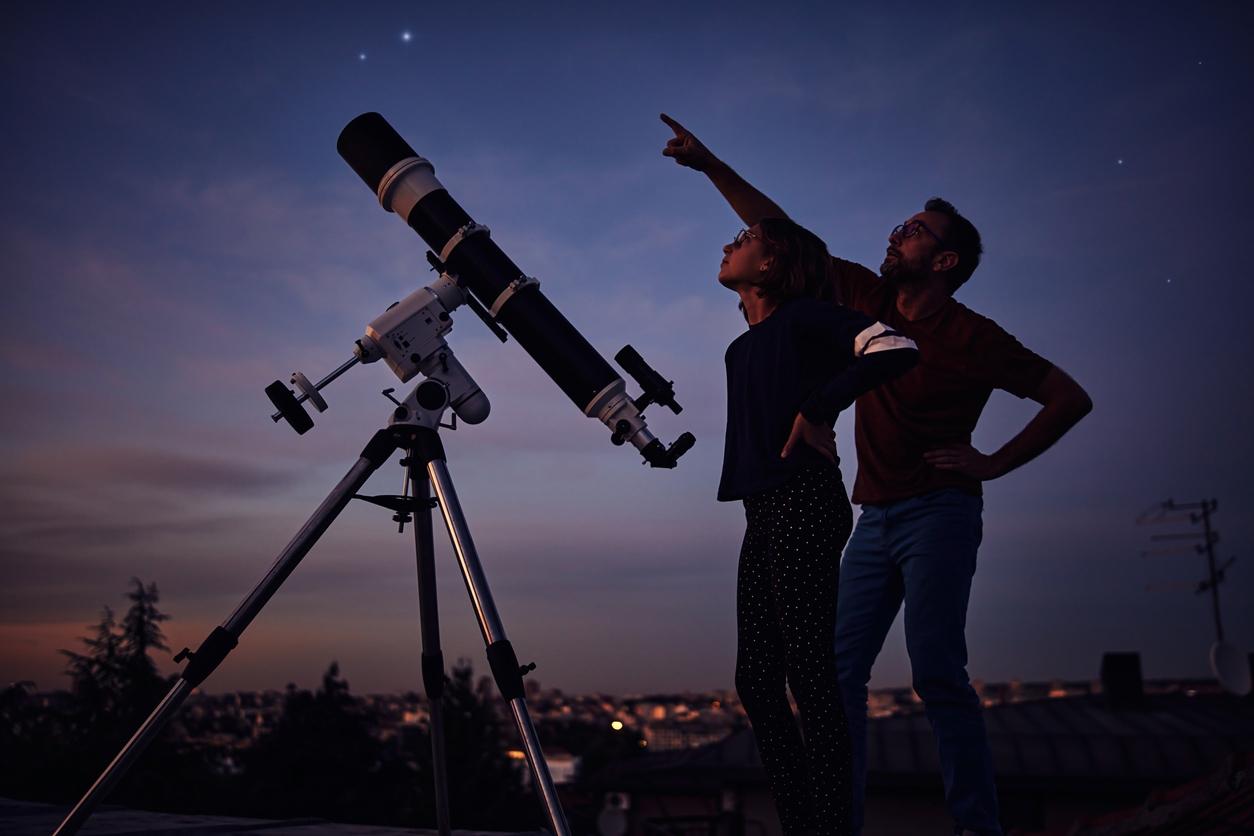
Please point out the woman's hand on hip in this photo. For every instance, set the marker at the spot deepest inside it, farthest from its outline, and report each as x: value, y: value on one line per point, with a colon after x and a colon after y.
x: 818, y: 436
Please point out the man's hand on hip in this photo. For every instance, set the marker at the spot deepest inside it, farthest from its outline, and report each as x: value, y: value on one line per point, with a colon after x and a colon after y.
x: 964, y: 459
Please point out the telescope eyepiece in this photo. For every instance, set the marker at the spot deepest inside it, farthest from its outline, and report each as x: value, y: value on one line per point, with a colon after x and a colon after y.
x: 658, y: 455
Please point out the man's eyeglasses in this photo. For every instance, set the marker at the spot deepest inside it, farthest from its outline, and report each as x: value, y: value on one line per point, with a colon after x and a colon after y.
x: 911, y: 228
x: 743, y: 236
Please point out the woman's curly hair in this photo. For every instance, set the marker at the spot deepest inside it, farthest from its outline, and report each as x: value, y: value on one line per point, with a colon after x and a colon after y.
x: 800, y: 263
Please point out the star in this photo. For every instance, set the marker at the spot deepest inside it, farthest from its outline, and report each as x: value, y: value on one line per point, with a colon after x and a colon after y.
x: 406, y: 37
x: 361, y: 56
x: 1119, y: 162
x: 1169, y: 281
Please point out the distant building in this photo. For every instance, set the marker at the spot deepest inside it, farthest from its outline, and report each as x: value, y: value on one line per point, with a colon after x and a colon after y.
x: 661, y: 737
x: 563, y: 766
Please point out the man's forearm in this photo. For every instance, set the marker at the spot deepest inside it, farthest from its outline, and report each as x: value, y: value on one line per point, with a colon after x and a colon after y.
x: 1056, y: 417
x: 862, y: 375
x: 746, y: 201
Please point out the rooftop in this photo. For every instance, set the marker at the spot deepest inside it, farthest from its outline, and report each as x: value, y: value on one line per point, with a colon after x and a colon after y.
x: 1071, y: 742
x: 26, y: 818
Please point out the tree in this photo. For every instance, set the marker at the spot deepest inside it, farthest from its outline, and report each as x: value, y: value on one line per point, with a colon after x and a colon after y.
x: 114, y: 686
x: 30, y: 742
x: 141, y: 634
x: 485, y: 786
x: 324, y: 759
x: 319, y: 758
x: 96, y: 676
x: 116, y: 678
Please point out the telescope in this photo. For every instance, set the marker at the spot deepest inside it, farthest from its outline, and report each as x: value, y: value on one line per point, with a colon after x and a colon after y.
x: 410, y: 338
x: 475, y: 271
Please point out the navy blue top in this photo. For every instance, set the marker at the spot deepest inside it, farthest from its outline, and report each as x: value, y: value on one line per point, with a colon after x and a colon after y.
x: 801, y: 358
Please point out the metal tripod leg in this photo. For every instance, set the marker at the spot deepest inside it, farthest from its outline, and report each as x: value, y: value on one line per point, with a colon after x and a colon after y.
x: 224, y: 638
x: 429, y: 619
x: 505, y: 667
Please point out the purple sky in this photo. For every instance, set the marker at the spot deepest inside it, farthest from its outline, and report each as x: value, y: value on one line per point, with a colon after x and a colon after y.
x: 178, y: 231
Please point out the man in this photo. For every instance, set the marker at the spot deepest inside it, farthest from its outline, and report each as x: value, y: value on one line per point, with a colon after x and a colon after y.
x: 919, y: 479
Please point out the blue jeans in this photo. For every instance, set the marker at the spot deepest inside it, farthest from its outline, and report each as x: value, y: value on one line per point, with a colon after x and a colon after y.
x: 920, y: 550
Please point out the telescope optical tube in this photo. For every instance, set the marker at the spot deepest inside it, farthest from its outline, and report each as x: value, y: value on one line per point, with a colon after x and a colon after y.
x: 405, y: 184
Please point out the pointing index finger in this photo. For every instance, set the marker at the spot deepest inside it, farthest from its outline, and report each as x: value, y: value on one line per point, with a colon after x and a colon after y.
x: 679, y: 129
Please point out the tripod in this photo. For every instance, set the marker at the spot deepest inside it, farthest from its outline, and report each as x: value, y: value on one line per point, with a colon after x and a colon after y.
x: 426, y: 469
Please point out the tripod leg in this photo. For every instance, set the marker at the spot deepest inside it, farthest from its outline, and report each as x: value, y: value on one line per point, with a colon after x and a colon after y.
x: 505, y: 667
x: 429, y: 618
x: 223, y: 639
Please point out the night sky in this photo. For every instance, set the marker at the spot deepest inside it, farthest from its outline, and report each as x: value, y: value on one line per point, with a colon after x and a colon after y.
x: 178, y: 231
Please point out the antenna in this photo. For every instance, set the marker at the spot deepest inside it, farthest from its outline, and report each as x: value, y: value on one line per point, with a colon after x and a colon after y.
x: 1230, y: 666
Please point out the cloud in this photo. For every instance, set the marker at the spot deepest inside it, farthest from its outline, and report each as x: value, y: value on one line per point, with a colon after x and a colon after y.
x: 154, y: 469
x: 78, y: 519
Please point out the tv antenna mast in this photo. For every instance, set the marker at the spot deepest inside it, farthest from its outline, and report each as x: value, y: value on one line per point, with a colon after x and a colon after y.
x: 1230, y: 666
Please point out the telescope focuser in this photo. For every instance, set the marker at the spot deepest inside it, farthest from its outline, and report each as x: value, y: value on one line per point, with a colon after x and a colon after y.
x: 624, y: 415
x: 654, y: 389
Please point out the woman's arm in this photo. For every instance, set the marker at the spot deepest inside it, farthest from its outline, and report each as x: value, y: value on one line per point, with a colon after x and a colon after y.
x: 746, y: 201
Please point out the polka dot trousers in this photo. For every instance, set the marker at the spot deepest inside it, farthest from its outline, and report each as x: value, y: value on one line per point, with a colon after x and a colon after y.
x: 786, y: 616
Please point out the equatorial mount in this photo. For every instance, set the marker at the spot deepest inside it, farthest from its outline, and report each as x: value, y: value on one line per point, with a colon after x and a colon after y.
x: 410, y: 338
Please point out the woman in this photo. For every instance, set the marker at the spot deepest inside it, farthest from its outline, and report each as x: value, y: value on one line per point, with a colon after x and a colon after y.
x: 801, y: 362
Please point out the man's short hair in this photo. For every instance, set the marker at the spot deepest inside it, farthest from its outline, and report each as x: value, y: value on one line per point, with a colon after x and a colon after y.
x: 962, y: 237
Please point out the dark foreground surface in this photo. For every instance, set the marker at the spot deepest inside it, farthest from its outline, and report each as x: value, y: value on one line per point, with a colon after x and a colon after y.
x: 28, y: 818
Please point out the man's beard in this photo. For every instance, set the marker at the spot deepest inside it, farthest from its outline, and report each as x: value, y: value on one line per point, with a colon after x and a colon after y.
x: 899, y: 272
